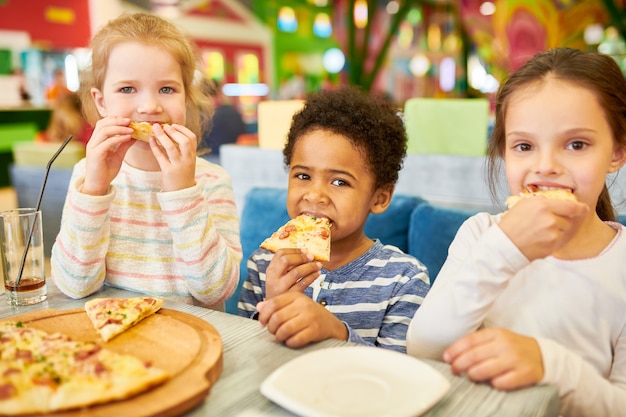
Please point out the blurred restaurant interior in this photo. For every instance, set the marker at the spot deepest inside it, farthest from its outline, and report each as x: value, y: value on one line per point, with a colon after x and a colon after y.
x: 441, y: 61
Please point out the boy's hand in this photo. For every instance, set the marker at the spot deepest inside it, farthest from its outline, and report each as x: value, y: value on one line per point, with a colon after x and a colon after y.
x: 175, y: 151
x: 105, y: 152
x: 505, y: 359
x: 290, y: 270
x: 539, y: 226
x: 297, y: 320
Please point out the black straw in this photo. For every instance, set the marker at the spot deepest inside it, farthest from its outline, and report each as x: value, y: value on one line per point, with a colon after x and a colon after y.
x: 32, y: 226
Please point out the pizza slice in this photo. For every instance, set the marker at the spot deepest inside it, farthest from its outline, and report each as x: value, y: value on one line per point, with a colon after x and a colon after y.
x: 112, y: 316
x: 44, y: 372
x: 303, y: 232
x: 557, y: 194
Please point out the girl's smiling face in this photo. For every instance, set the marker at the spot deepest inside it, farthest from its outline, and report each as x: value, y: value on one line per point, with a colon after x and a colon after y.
x: 329, y: 177
x: 557, y: 136
x: 144, y: 83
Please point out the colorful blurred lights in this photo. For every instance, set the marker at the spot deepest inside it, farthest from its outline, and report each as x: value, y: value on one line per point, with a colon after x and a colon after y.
x: 287, y: 21
x: 322, y: 26
x: 333, y: 60
x: 447, y: 77
x: 419, y: 65
x: 360, y: 13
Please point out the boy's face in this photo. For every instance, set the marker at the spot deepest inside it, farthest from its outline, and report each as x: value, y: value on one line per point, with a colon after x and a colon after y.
x: 329, y: 177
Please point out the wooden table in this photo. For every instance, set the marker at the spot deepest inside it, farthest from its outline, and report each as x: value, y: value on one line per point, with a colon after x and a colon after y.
x: 250, y: 354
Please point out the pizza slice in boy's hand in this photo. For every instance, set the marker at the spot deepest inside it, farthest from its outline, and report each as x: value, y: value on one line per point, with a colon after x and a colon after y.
x: 112, y: 316
x: 303, y: 232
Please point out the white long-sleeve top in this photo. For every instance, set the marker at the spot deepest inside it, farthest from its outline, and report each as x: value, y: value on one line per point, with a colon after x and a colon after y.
x: 181, y: 244
x: 576, y: 310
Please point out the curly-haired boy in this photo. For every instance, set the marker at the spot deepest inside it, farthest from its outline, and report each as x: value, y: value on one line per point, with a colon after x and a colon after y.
x: 343, y: 151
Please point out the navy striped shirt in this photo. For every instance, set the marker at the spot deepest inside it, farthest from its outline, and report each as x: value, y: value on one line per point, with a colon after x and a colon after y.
x: 375, y: 296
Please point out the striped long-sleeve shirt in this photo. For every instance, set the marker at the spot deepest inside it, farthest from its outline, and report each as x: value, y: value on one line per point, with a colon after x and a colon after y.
x: 181, y: 244
x: 375, y: 296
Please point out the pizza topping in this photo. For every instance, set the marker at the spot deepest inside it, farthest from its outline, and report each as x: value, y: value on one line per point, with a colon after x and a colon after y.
x: 113, y: 316
x: 305, y: 232
x: 64, y: 374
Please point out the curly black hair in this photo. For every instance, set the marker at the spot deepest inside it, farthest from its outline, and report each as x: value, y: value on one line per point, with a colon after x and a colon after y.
x: 371, y: 123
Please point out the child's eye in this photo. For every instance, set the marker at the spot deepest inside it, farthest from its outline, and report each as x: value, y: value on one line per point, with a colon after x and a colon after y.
x: 339, y: 183
x: 577, y: 145
x: 302, y: 176
x: 127, y: 90
x: 523, y: 147
x: 167, y: 90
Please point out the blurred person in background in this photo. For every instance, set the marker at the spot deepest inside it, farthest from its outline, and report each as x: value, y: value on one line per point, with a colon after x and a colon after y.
x: 66, y: 119
x: 226, y: 126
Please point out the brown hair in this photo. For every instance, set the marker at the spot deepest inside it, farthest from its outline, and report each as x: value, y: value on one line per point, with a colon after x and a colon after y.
x: 66, y: 118
x: 598, y: 73
x: 150, y: 30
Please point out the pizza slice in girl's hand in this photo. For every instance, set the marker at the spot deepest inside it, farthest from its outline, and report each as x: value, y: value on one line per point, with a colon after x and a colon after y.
x: 112, y: 316
x: 303, y: 232
x: 557, y: 194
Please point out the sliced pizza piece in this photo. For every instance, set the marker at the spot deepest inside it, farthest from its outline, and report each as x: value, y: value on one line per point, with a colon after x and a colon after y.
x: 44, y: 372
x: 113, y: 316
x: 557, y: 194
x: 302, y: 232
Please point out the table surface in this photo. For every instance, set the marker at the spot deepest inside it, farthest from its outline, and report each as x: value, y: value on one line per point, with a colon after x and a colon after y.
x: 250, y: 354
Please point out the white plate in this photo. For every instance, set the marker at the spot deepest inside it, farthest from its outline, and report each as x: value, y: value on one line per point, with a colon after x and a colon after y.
x: 356, y: 381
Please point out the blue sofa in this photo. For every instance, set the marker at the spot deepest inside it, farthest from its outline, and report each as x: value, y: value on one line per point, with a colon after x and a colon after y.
x: 410, y: 223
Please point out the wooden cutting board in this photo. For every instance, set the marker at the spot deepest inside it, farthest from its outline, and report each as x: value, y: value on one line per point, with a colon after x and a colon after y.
x: 187, y: 347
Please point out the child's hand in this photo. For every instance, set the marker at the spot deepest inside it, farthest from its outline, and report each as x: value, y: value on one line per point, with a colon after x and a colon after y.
x: 290, y: 270
x: 105, y: 152
x: 297, y: 320
x: 540, y: 226
x: 175, y: 151
x: 505, y: 359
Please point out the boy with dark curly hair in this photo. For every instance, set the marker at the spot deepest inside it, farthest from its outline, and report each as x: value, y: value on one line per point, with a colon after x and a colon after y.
x: 343, y: 152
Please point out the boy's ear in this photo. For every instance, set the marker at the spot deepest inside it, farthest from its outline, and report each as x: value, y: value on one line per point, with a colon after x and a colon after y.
x: 96, y: 95
x: 619, y: 158
x: 382, y: 199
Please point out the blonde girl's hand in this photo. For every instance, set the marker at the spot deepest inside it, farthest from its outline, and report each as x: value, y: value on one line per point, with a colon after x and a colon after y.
x: 290, y: 270
x: 539, y: 226
x: 505, y: 359
x: 296, y: 320
x: 175, y: 151
x: 105, y: 152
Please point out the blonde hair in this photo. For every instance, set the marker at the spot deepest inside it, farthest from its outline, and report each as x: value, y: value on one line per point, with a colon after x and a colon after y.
x: 154, y: 31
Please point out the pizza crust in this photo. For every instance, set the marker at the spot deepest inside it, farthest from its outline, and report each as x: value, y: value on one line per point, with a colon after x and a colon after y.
x: 142, y: 131
x: 113, y: 316
x: 553, y: 194
x: 303, y: 232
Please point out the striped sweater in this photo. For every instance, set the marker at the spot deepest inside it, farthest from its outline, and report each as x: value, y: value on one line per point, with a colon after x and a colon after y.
x: 375, y: 296
x: 181, y: 244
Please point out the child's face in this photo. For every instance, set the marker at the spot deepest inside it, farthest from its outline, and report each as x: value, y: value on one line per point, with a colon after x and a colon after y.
x: 143, y: 83
x: 557, y: 136
x: 328, y: 177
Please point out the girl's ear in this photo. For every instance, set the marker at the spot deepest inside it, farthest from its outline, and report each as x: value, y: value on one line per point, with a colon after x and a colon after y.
x: 382, y: 199
x: 619, y: 158
x: 98, y: 99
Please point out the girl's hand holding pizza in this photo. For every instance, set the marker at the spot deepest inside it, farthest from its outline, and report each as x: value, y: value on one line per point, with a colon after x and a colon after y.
x: 290, y: 270
x: 297, y: 320
x: 175, y: 151
x: 505, y: 359
x: 105, y: 152
x: 540, y: 226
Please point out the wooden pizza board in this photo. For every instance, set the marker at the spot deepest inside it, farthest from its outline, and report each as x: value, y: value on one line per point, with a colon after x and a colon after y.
x: 185, y: 346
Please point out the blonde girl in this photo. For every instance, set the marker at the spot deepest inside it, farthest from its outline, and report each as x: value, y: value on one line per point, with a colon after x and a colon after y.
x: 148, y: 217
